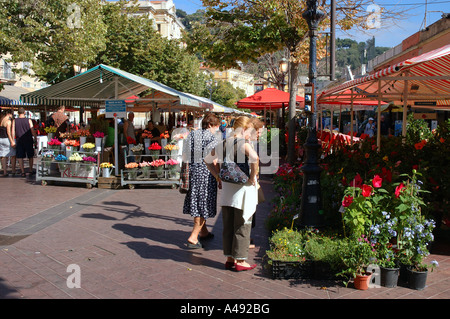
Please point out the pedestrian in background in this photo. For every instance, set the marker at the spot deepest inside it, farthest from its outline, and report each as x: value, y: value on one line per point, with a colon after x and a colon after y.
x: 24, y: 133
x: 7, y: 143
x: 238, y: 201
x: 370, y: 128
x: 201, y: 199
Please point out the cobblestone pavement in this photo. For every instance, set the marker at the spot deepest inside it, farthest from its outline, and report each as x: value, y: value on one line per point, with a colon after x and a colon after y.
x: 130, y: 244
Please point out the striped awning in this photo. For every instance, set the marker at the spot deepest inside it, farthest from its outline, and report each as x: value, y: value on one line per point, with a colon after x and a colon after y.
x: 427, y: 78
x: 10, y: 96
x: 101, y: 83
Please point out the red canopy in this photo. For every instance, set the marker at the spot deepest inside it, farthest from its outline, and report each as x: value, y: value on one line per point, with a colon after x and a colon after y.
x: 269, y: 98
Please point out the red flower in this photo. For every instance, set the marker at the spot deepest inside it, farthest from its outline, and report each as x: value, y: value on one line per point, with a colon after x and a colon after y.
x: 366, y: 190
x: 387, y: 174
x: 377, y: 180
x: 398, y: 189
x: 131, y: 140
x: 357, y: 181
x: 348, y: 200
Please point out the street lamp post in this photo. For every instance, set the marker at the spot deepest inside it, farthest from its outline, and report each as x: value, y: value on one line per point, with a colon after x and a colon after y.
x: 311, y: 210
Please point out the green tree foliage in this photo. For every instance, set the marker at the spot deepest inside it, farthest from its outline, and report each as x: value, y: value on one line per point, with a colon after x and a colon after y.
x: 224, y: 93
x: 54, y: 35
x: 353, y: 53
x: 133, y: 44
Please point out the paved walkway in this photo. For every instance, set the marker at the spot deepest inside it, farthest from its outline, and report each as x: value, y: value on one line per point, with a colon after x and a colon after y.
x: 131, y: 244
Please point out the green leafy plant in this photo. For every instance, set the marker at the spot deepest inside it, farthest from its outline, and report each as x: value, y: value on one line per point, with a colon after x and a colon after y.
x: 356, y: 254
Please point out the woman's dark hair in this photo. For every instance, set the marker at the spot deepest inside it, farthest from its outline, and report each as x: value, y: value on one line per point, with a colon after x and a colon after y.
x: 210, y: 120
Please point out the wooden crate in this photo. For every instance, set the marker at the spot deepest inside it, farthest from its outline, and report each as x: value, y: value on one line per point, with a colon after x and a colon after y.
x: 112, y: 182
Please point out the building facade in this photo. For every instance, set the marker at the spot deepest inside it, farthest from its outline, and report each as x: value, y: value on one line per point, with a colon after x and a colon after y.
x: 163, y: 13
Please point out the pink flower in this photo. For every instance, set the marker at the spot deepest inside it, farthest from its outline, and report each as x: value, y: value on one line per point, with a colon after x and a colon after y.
x: 377, y: 180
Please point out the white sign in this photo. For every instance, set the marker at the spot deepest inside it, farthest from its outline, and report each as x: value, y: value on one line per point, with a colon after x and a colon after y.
x: 115, y: 108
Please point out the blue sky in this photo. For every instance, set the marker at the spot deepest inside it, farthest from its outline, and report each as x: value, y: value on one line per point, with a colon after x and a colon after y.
x: 385, y: 35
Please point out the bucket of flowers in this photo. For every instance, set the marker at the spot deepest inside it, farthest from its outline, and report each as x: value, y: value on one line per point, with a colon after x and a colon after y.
x: 147, y: 136
x: 54, y: 144
x: 88, y: 148
x: 89, y: 166
x: 158, y: 165
x: 62, y: 162
x: 50, y: 130
x: 98, y: 140
x: 47, y: 158
x: 172, y: 149
x: 106, y: 169
x: 132, y: 170
x: 154, y: 149
x: 137, y: 150
x: 145, y: 168
x: 75, y: 160
x: 174, y: 168
x: 83, y: 134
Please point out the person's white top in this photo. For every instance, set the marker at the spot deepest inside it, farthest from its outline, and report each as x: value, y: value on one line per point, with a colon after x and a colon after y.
x: 244, y: 197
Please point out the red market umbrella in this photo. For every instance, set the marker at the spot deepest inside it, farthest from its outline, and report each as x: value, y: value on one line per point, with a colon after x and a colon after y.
x: 269, y: 98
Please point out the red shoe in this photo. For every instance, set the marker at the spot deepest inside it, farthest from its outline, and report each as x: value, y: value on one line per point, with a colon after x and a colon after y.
x: 229, y: 265
x: 242, y: 268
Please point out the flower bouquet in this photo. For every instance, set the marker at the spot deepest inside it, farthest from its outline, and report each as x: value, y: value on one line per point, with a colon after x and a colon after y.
x: 172, y: 149
x: 145, y: 167
x: 106, y: 169
x: 165, y: 134
x: 88, y: 147
x: 98, y: 140
x: 173, y: 168
x: 154, y: 149
x: 50, y: 129
x: 98, y: 134
x: 146, y: 134
x: 54, y: 144
x: 75, y: 159
x: 89, y: 160
x: 131, y: 140
x: 47, y: 158
x: 132, y: 170
x: 73, y: 143
x: 159, y: 167
x: 137, y: 149
x: 61, y: 159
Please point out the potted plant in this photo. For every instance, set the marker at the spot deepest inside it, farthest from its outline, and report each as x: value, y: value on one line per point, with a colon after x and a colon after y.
x: 356, y: 254
x: 383, y: 233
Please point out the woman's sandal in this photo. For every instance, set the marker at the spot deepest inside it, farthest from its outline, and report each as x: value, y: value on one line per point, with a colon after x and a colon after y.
x: 194, y: 246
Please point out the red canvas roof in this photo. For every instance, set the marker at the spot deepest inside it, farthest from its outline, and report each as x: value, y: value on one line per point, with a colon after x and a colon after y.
x: 269, y: 98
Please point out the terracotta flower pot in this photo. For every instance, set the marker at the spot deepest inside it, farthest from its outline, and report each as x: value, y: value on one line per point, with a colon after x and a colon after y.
x: 361, y: 282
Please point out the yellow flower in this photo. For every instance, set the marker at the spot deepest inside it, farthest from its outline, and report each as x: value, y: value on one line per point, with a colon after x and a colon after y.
x: 386, y: 158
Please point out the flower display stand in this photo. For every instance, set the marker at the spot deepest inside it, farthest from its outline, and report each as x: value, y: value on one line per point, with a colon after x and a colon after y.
x: 66, y: 171
x: 149, y: 175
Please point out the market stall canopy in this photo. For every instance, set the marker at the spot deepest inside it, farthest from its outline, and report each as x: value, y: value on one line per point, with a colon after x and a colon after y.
x: 344, y: 102
x: 423, y: 80
x: 269, y: 98
x: 163, y: 101
x: 101, y: 83
x: 10, y: 96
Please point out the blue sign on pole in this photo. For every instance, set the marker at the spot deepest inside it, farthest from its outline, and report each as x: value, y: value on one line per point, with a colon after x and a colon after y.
x: 115, y: 108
